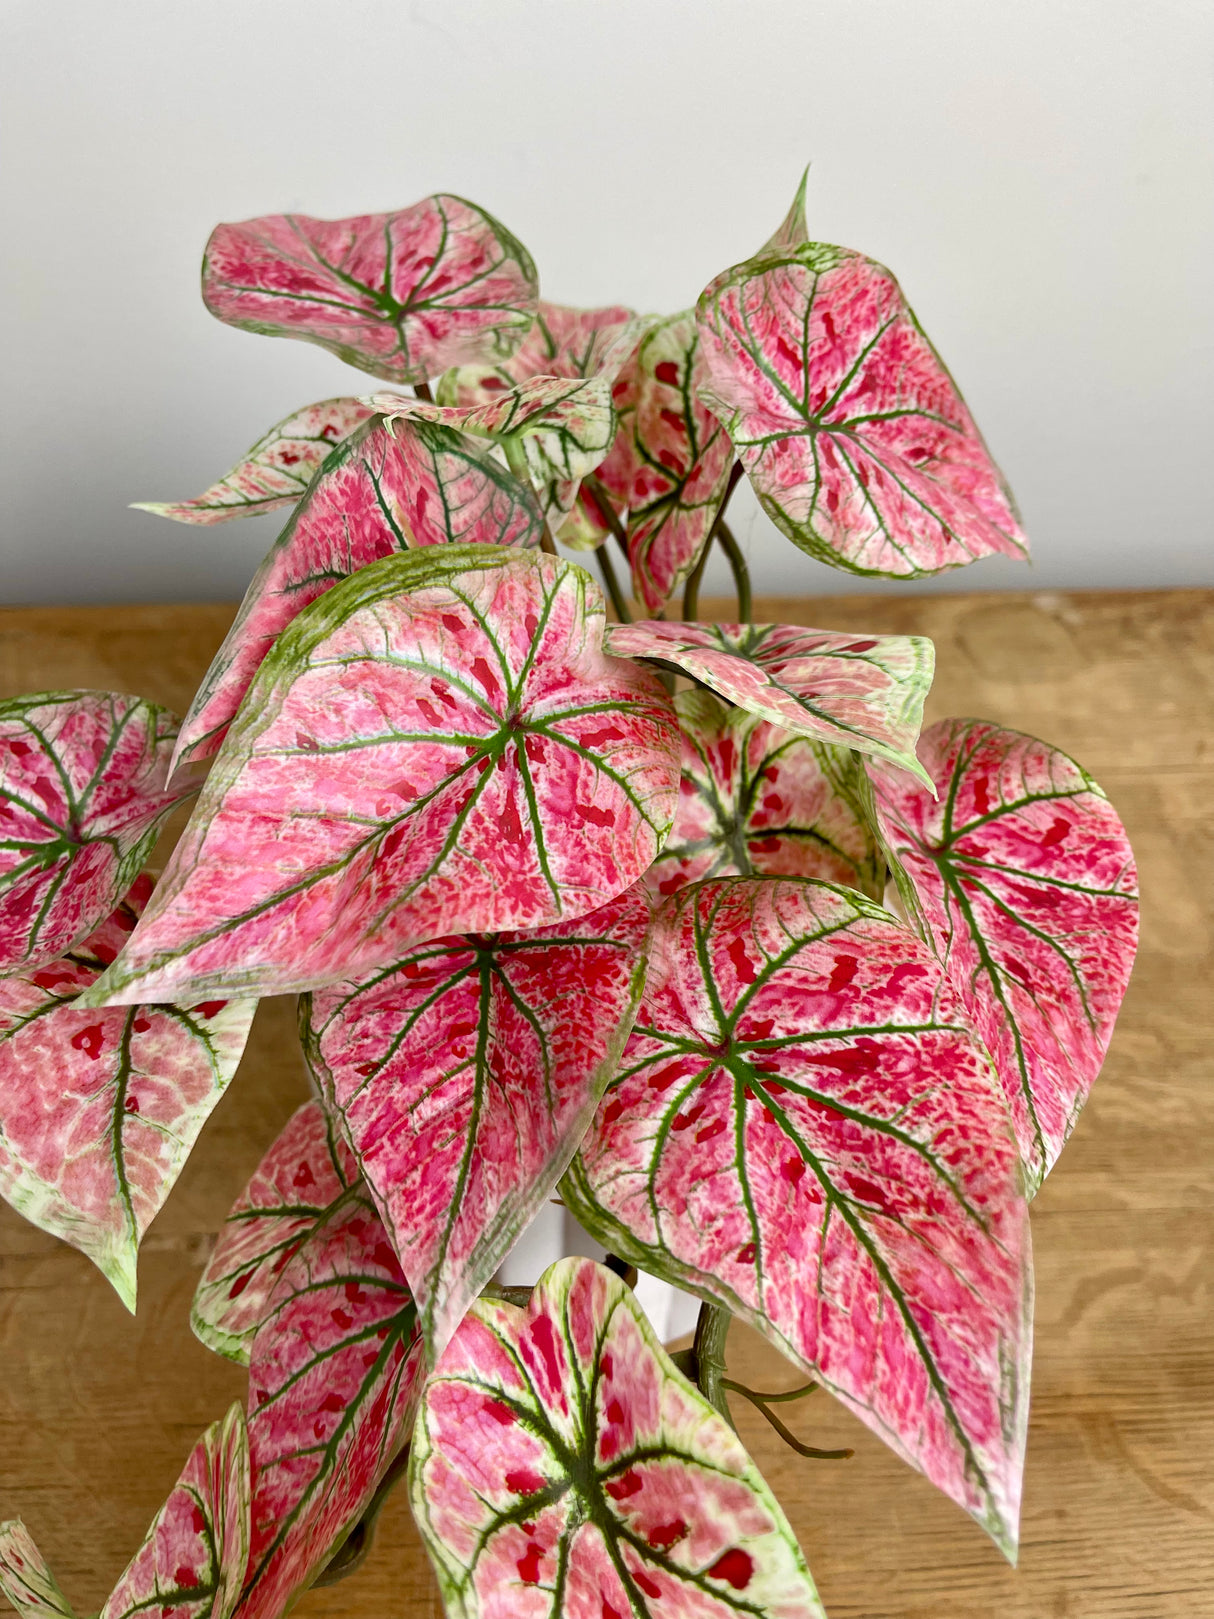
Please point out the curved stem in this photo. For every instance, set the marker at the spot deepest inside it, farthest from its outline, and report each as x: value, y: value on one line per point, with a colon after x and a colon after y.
x: 712, y: 1329
x: 607, y: 569
x: 691, y: 591
x: 597, y: 490
x: 422, y: 391
x: 761, y: 1403
x: 741, y: 573
x: 352, y: 1553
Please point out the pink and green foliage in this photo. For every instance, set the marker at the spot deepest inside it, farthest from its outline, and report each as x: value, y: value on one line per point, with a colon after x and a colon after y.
x: 805, y: 1131
x: 99, y: 1110
x: 334, y: 1376
x: 275, y: 472
x: 862, y: 692
x: 83, y: 794
x: 466, y: 1075
x: 385, y: 489
x: 1027, y: 881
x: 439, y: 744
x: 853, y: 434
x: 25, y: 1580
x: 402, y: 295
x: 561, y: 1465
x: 305, y: 1172
x: 757, y: 801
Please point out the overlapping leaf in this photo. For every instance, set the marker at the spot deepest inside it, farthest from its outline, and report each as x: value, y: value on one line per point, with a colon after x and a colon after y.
x: 99, y: 1110
x: 467, y: 1073
x: 1027, y: 881
x: 402, y: 295
x: 386, y: 488
x: 756, y: 800
x: 82, y: 797
x: 862, y: 692
x: 304, y: 1173
x: 25, y: 1580
x: 439, y: 745
x: 333, y: 1381
x: 561, y: 1465
x: 806, y: 1131
x: 856, y: 440
x: 275, y: 472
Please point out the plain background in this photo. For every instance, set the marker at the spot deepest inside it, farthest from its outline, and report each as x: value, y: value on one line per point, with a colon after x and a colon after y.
x: 1039, y: 175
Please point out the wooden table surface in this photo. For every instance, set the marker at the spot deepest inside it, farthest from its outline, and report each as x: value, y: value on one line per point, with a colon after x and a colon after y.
x: 98, y: 1409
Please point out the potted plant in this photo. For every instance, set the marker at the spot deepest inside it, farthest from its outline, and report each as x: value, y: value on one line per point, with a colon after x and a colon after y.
x: 682, y: 921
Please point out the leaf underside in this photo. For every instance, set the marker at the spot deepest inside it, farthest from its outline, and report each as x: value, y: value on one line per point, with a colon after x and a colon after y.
x: 25, y: 1580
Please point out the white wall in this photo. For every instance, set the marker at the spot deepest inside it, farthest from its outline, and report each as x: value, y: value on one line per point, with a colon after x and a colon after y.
x: 1037, y: 173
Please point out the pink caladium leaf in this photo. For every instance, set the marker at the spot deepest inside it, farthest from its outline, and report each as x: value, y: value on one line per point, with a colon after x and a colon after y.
x: 305, y: 1172
x: 562, y: 1465
x: 83, y: 795
x: 1027, y: 882
x: 466, y: 1074
x: 439, y: 745
x: 275, y: 472
x: 99, y: 1110
x: 757, y: 801
x: 856, y: 440
x: 805, y: 1130
x: 402, y: 295
x: 25, y: 1580
x: 334, y: 1375
x: 192, y: 1562
x: 386, y: 488
x: 864, y: 692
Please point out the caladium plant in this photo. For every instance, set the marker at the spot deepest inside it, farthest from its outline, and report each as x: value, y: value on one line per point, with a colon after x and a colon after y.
x: 682, y: 921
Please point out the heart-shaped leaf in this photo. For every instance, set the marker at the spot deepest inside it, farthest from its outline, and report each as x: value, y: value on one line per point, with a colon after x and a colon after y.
x: 562, y: 342
x: 82, y: 797
x: 304, y: 1173
x: 1027, y: 881
x: 275, y: 472
x: 334, y: 1376
x: 863, y: 692
x: 806, y: 1131
x: 403, y: 295
x: 757, y: 801
x: 381, y: 491
x: 25, y: 1580
x: 561, y: 1465
x: 99, y: 1110
x: 467, y: 1073
x: 856, y: 440
x: 439, y: 745
x: 192, y: 1562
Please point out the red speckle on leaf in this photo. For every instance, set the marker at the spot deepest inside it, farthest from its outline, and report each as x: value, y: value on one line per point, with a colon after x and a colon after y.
x: 735, y: 1567
x: 746, y: 1255
x: 1056, y: 834
x: 529, y: 1565
x: 650, y: 1587
x: 619, y: 1489
x: 609, y: 1612
x: 19, y: 749
x: 239, y: 1285
x: 355, y: 1293
x: 667, y: 372
x: 543, y: 1336
x: 333, y: 1402
x: 867, y: 1191
x: 455, y: 625
x: 305, y: 743
x: 844, y: 971
x: 901, y: 975
x: 385, y: 1257
x: 671, y: 461
x: 482, y: 672
x: 303, y: 1176
x: 131, y: 1105
x: 982, y: 798
x: 198, y: 1518
x: 615, y: 1411
x: 288, y: 458
x: 711, y: 1130
x: 53, y: 978
x: 510, y: 822
x: 742, y: 964
x: 606, y: 1365
x: 141, y: 1025
x: 597, y: 817
x: 500, y: 1412
x: 673, y: 420
x: 185, y: 1578
x: 684, y: 1121
x: 794, y: 1169
x: 612, y: 1111
x: 210, y: 1009
x: 341, y: 1318
x: 524, y: 1481
x: 667, y: 1535
x: 90, y: 1041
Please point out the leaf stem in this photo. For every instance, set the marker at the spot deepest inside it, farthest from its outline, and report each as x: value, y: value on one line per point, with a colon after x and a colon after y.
x: 691, y: 591
x: 422, y: 391
x: 516, y: 460
x: 712, y: 1329
x: 741, y: 573
x: 352, y: 1553
x: 607, y: 569
x: 761, y: 1403
x: 597, y: 490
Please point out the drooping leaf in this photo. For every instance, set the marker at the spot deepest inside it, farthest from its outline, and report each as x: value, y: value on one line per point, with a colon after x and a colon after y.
x: 439, y: 745
x: 192, y: 1562
x: 1027, y: 881
x: 757, y: 801
x: 384, y: 489
x: 82, y: 797
x: 99, y: 1110
x: 334, y: 1376
x: 805, y: 1130
x: 402, y: 295
x: 562, y: 1466
x: 304, y: 1173
x: 862, y: 692
x: 467, y: 1073
x: 25, y: 1580
x: 856, y: 440
x: 275, y: 472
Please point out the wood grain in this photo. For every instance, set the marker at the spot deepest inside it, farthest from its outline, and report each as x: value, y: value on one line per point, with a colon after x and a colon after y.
x: 98, y: 1410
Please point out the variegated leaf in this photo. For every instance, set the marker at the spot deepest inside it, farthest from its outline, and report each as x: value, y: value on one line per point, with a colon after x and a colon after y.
x: 334, y: 1375
x: 83, y: 794
x: 305, y: 1171
x: 1027, y: 882
x: 862, y: 692
x: 757, y: 801
x: 25, y: 1580
x: 402, y: 295
x: 806, y: 1131
x: 856, y: 440
x: 467, y: 1073
x: 562, y: 342
x: 439, y: 745
x: 275, y: 472
x: 99, y: 1110
x: 192, y: 1562
x: 386, y: 488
